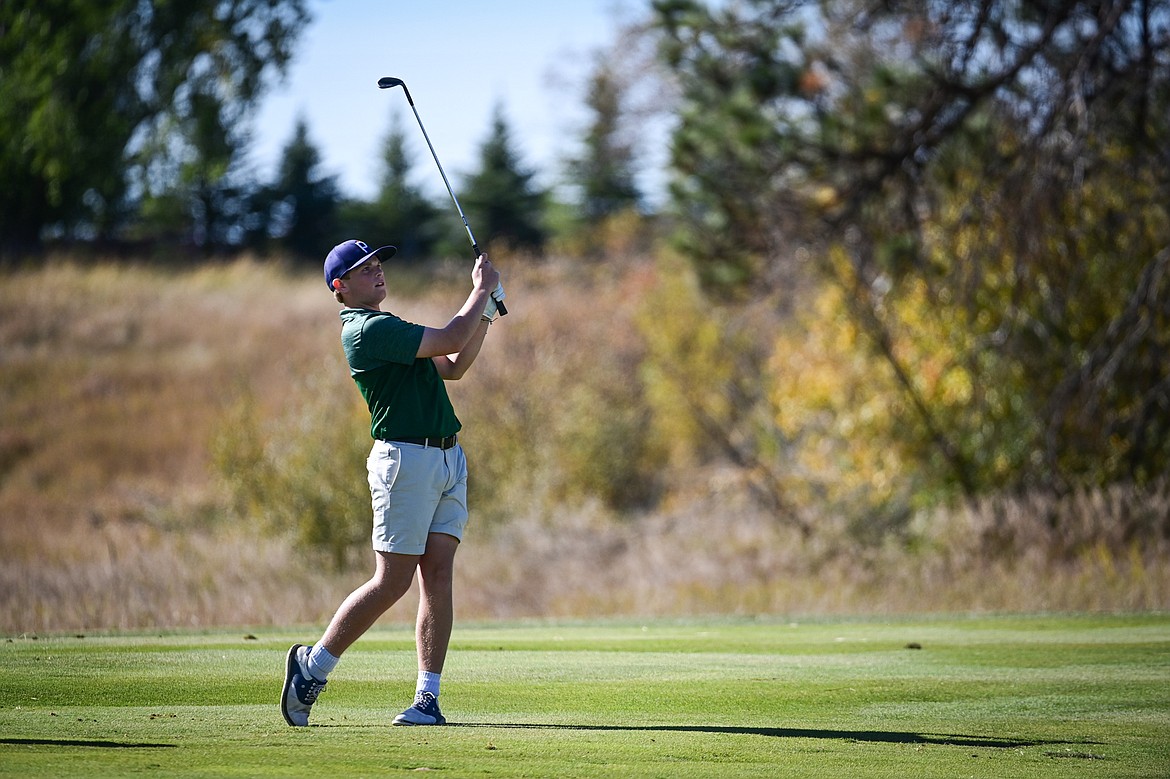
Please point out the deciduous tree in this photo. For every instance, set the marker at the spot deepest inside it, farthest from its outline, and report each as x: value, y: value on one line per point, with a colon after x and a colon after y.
x: 92, y: 93
x: 986, y: 181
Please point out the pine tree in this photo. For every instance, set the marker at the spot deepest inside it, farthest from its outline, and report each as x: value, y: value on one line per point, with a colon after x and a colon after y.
x: 502, y: 200
x: 305, y: 215
x: 605, y: 171
x: 400, y: 213
x: 404, y: 214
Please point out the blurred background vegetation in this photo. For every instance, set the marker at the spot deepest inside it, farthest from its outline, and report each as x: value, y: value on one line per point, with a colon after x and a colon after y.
x: 901, y: 327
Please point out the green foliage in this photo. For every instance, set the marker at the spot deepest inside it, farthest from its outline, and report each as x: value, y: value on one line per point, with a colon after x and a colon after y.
x: 61, y: 119
x: 571, y: 440
x: 1053, y: 321
x: 501, y: 199
x: 102, y: 104
x: 305, y: 219
x: 400, y: 214
x: 983, y: 184
x: 602, y: 450
x: 604, y: 172
x: 708, y: 391
x: 688, y: 367
x: 301, y: 474
x: 733, y: 66
x: 604, y: 218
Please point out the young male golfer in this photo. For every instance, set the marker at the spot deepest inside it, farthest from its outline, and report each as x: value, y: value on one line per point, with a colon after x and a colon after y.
x: 417, y: 471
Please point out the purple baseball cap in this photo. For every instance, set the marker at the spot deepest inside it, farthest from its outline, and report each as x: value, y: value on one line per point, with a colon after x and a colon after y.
x: 350, y: 254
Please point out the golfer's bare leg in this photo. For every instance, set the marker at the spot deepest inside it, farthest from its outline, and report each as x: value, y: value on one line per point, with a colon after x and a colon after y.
x: 357, y: 613
x: 436, y: 610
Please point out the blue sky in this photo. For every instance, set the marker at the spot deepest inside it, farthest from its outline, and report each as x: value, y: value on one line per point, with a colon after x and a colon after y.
x: 459, y: 58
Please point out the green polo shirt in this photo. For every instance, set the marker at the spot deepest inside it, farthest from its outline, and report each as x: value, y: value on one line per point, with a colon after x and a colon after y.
x: 405, y: 394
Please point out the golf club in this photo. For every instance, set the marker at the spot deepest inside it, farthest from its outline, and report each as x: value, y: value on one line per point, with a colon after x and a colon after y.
x: 388, y: 82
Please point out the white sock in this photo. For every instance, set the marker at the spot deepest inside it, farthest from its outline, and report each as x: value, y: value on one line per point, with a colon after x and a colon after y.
x: 428, y: 682
x: 321, y: 663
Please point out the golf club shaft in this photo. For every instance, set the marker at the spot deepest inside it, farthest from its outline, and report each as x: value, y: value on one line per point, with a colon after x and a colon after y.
x: 388, y: 82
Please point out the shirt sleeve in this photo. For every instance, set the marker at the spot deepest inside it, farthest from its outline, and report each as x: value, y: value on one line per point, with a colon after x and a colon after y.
x: 390, y: 339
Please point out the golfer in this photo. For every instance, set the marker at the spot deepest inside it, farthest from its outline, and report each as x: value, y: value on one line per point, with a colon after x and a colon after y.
x: 417, y: 471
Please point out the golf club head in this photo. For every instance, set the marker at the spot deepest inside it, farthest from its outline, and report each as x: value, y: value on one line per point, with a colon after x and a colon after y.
x: 386, y: 82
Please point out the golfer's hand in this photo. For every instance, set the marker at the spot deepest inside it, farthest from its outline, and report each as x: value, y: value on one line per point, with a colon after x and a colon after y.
x: 484, y: 275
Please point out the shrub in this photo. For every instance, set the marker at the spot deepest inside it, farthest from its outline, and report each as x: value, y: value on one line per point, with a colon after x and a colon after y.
x: 301, y: 473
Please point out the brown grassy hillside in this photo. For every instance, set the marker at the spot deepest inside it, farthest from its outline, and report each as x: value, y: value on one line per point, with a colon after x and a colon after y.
x: 118, y: 383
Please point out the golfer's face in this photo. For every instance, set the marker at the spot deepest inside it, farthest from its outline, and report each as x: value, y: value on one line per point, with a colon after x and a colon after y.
x: 366, y: 286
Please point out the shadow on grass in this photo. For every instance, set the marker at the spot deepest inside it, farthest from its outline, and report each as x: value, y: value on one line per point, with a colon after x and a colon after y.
x: 872, y: 736
x: 73, y: 742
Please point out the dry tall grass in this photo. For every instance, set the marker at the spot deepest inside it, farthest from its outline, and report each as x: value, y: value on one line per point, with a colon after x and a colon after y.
x: 116, y: 381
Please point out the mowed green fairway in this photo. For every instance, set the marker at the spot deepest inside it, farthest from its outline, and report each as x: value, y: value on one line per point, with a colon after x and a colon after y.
x: 982, y: 697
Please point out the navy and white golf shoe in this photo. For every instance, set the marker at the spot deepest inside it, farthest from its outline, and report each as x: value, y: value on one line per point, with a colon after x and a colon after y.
x: 425, y: 711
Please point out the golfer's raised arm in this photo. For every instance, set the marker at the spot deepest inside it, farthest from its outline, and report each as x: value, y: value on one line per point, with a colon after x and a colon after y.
x: 452, y: 338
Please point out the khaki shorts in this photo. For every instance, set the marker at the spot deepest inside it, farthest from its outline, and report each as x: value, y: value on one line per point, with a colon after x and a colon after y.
x: 416, y: 491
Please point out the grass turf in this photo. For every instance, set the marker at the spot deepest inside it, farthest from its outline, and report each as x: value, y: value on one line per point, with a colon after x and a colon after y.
x: 981, y: 697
